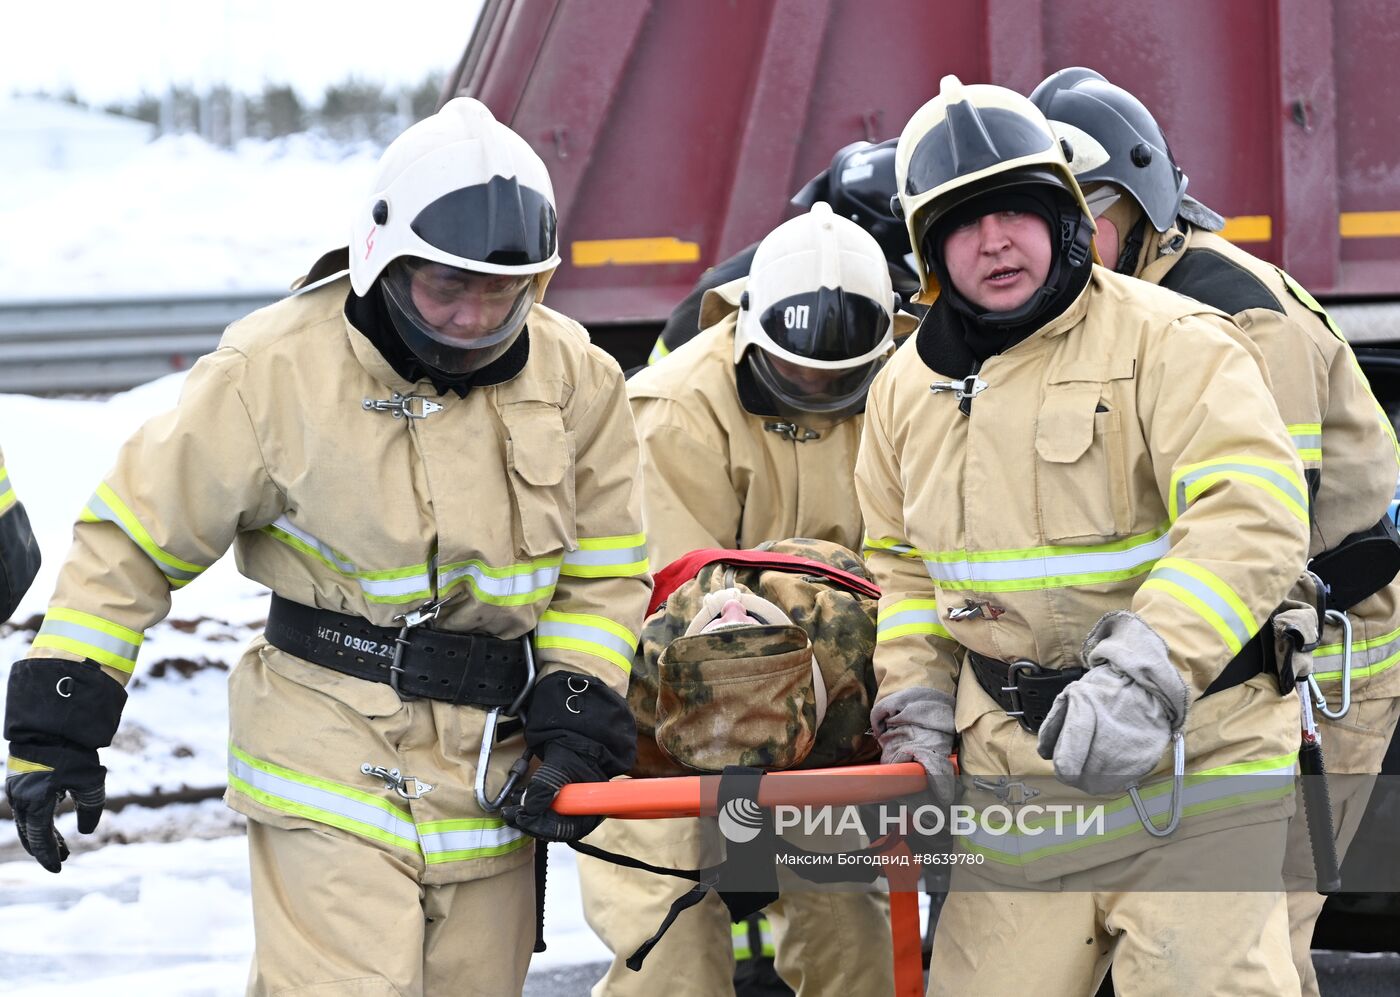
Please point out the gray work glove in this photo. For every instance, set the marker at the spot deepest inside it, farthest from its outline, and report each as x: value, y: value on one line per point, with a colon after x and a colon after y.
x: 916, y: 725
x: 1297, y: 626
x: 1110, y: 729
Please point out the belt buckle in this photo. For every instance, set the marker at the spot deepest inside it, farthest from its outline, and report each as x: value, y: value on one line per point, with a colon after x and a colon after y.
x: 411, y: 619
x: 1013, y: 669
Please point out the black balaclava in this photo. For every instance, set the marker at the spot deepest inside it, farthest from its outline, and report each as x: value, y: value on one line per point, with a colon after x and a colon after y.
x: 956, y: 332
x: 370, y: 316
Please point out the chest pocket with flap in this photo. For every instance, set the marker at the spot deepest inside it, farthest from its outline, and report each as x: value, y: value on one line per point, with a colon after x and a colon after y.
x: 540, y: 458
x: 1082, y: 483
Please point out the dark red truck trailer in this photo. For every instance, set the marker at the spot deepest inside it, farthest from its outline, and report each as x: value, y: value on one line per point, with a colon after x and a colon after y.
x: 676, y: 131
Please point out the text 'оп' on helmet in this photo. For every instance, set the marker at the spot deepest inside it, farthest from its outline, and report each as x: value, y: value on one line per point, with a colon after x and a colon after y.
x: 1117, y: 140
x: 817, y: 318
x: 973, y: 140
x: 459, y: 228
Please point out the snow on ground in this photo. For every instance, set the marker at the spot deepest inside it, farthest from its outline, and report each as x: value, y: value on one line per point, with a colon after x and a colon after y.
x: 176, y: 918
x: 180, y: 216
x: 169, y: 913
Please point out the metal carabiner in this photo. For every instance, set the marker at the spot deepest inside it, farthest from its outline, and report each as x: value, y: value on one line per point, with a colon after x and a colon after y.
x: 1178, y: 785
x: 492, y: 804
x: 1344, y: 621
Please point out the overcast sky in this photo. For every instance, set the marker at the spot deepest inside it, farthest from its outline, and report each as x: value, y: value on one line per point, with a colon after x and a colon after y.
x: 109, y: 51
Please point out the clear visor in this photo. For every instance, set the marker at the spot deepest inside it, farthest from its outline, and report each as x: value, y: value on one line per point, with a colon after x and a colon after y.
x: 803, y: 392
x: 455, y: 320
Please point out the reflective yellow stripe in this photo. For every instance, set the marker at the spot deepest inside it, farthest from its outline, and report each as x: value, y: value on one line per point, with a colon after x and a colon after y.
x: 1277, y: 479
x: 607, y: 557
x: 909, y: 616
x: 1032, y: 569
x: 14, y: 766
x: 1211, y: 598
x: 1307, y: 438
x: 659, y: 352
x: 1368, y: 658
x: 7, y: 493
x: 595, y: 635
x: 1209, y: 791
x: 105, y: 506
x: 633, y: 252
x: 103, y: 641
x: 888, y: 545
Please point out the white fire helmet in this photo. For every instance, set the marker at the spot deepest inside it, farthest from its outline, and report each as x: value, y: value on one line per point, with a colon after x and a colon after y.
x: 817, y: 317
x: 459, y: 228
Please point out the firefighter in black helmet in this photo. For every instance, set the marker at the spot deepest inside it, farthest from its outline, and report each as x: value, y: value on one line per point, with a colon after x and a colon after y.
x: 858, y: 185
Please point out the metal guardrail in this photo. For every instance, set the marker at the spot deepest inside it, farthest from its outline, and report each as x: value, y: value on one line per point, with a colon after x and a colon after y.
x: 49, y: 347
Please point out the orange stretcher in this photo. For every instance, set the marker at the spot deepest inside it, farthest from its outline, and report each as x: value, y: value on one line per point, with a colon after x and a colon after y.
x: 695, y: 796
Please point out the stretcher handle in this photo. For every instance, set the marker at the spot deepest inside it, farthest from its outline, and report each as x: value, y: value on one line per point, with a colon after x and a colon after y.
x: 696, y: 795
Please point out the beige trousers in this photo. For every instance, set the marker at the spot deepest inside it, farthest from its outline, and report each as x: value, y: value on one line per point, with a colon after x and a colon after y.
x: 1061, y: 941
x: 826, y: 943
x: 1353, y: 748
x: 334, y: 916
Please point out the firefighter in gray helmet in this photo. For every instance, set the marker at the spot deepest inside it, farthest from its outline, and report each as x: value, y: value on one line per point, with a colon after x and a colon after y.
x: 19, y: 551
x: 1152, y: 229
x: 436, y: 476
x: 749, y: 435
x: 1052, y: 475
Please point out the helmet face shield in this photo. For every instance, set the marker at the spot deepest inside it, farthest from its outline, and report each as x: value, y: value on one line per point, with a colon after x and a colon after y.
x: 500, y: 223
x: 803, y: 392
x: 456, y: 321
x: 828, y: 324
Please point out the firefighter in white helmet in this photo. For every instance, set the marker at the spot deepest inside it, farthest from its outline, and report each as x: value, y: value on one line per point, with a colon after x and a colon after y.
x: 1153, y: 230
x: 19, y: 551
x: 749, y: 434
x: 436, y: 476
x: 1081, y: 505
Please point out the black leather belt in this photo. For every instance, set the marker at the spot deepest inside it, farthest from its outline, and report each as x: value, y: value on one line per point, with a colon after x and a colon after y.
x: 1026, y: 691
x: 1023, y: 689
x: 464, y: 669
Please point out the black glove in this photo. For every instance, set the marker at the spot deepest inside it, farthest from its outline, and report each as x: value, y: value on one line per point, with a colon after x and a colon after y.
x: 57, y: 714
x: 581, y: 731
x: 19, y: 557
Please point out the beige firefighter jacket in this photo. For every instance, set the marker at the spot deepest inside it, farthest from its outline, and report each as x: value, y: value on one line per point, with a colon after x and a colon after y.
x: 718, y: 476
x: 1127, y: 455
x: 518, y: 506
x: 1341, y: 433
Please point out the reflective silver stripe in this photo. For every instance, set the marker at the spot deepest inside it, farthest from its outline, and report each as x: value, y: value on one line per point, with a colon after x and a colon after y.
x: 1051, y: 565
x: 1242, y: 629
x: 1280, y: 481
x: 322, y: 799
x: 1366, y: 659
x: 98, y: 506
x: 544, y: 576
x: 324, y: 549
x: 901, y: 550
x: 592, y: 635
x: 1309, y: 441
x: 91, y: 636
x: 606, y: 558
x: 474, y: 839
x: 912, y: 617
x: 1202, y: 790
x: 372, y: 583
